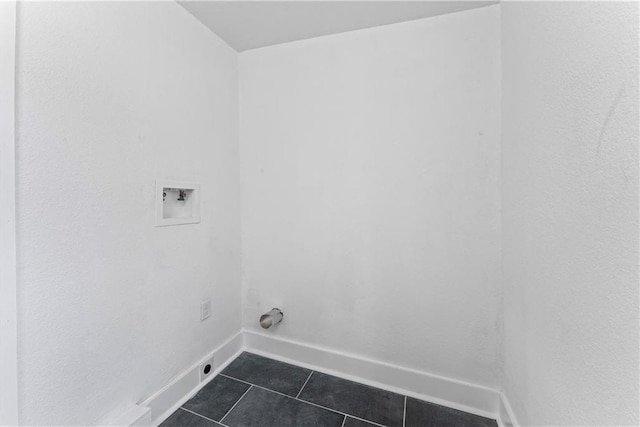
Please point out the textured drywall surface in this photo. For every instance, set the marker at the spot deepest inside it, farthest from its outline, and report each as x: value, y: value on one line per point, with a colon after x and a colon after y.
x: 8, y: 307
x: 570, y: 174
x: 370, y: 192
x: 111, y: 96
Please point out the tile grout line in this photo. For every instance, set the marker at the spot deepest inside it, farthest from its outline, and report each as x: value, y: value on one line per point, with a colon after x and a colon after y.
x: 404, y: 413
x: 304, y: 401
x: 235, y: 404
x: 305, y: 383
x: 201, y: 416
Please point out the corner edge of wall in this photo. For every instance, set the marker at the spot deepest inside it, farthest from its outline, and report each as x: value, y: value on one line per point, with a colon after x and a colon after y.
x: 506, y: 417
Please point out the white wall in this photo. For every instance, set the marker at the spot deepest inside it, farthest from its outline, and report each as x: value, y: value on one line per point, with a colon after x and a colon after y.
x: 110, y: 97
x: 370, y: 192
x: 8, y: 306
x: 570, y: 174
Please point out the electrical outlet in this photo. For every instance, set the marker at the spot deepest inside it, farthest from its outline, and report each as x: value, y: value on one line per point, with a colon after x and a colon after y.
x: 205, y: 309
x: 206, y: 369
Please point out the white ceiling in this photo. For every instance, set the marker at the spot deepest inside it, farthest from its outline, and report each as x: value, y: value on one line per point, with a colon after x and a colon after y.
x: 252, y: 24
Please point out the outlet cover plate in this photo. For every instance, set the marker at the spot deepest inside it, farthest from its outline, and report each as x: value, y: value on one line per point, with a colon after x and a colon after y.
x: 203, y: 367
x: 205, y: 309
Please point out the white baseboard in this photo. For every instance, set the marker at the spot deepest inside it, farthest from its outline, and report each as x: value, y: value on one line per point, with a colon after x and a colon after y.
x: 441, y: 390
x: 177, y: 392
x: 506, y: 417
x: 134, y: 416
x: 129, y: 416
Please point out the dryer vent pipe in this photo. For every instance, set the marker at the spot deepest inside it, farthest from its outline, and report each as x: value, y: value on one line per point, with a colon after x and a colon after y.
x: 271, y: 318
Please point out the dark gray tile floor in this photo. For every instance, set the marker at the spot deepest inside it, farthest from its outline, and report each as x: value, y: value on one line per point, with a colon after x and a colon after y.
x: 257, y: 391
x: 271, y: 374
x: 365, y: 402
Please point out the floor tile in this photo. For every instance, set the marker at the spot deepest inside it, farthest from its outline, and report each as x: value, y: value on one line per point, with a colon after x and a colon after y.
x: 369, y: 403
x: 217, y: 397
x: 272, y: 374
x: 262, y: 408
x: 425, y: 414
x: 353, y: 422
x: 182, y: 418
